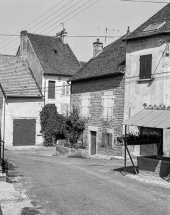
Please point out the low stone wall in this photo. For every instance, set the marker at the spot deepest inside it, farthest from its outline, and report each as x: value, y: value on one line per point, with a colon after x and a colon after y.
x: 157, y: 165
x: 71, y: 151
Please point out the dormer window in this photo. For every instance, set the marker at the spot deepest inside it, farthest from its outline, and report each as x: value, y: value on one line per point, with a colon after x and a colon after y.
x: 154, y: 26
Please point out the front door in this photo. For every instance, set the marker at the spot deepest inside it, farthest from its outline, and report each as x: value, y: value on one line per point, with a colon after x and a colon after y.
x: 93, y: 142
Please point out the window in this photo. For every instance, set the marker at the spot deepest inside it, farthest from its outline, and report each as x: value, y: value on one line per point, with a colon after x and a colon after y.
x: 65, y: 89
x: 64, y: 109
x: 107, y: 138
x: 145, y: 66
x: 108, y: 104
x: 51, y: 89
x: 85, y: 104
x: 154, y: 26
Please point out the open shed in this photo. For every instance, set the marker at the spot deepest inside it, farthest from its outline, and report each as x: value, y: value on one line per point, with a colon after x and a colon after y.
x: 149, y: 117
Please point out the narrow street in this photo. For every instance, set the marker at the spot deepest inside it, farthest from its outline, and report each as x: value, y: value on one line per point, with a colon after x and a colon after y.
x: 73, y: 186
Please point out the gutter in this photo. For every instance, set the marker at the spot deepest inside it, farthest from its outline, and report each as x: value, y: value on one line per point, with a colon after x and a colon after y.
x: 92, y: 77
x: 149, y: 35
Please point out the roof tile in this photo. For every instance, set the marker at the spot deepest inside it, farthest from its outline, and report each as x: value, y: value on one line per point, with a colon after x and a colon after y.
x: 161, y: 16
x: 109, y: 61
x: 55, y: 57
x: 16, y: 78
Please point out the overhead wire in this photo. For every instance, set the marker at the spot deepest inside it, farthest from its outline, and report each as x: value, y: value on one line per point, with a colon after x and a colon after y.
x: 146, y: 1
x: 28, y: 29
x: 76, y: 14
x: 66, y: 16
x: 57, y: 22
x: 37, y: 18
x: 59, y: 15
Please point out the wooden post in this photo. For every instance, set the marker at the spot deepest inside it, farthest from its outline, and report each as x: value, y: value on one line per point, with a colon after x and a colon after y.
x: 125, y: 151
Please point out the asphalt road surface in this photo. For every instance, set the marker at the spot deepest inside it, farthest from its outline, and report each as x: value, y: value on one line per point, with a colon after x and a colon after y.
x: 74, y: 186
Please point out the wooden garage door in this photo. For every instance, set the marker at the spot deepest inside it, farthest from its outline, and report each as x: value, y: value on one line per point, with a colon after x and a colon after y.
x: 24, y: 132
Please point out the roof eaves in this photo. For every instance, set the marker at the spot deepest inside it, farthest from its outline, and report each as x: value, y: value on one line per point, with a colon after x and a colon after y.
x: 99, y: 76
x: 147, y: 35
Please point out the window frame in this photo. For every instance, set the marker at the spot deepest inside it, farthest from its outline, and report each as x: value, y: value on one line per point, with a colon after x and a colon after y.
x: 145, y: 67
x: 51, y: 89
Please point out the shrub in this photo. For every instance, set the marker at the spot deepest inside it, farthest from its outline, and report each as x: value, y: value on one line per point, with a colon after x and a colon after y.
x: 56, y: 126
x: 74, y: 127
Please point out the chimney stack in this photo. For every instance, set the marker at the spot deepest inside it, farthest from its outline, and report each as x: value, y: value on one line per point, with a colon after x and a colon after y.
x: 23, y: 44
x: 97, y: 48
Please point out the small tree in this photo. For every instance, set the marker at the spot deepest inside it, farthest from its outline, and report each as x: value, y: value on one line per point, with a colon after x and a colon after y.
x: 74, y: 127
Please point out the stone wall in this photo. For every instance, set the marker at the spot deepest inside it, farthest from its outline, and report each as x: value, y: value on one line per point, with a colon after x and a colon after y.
x: 97, y: 88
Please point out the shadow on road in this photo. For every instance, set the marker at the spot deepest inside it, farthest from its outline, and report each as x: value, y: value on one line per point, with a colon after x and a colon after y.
x: 129, y: 169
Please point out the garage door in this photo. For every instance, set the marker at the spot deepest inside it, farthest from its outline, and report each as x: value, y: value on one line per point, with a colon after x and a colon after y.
x: 24, y: 132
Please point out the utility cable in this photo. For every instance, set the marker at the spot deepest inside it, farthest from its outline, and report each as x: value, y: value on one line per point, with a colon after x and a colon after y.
x: 75, y: 15
x: 55, y: 23
x: 36, y: 19
x: 155, y: 2
x: 66, y: 15
x: 29, y: 29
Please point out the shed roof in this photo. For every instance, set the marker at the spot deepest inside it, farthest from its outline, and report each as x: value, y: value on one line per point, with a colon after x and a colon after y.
x: 153, y: 118
x: 160, y: 17
x: 110, y: 61
x: 16, y: 78
x: 55, y: 57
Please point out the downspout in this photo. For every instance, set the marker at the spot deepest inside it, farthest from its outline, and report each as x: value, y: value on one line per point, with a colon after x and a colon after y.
x: 3, y: 149
x: 70, y: 94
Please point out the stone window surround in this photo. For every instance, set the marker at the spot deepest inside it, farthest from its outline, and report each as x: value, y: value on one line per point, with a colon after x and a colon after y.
x: 93, y: 128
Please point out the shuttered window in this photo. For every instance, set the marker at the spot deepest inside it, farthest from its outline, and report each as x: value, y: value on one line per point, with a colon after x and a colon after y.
x: 145, y: 66
x: 63, y: 88
x: 51, y: 89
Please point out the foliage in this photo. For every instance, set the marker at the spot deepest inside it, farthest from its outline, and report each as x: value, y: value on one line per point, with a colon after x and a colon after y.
x: 137, y: 137
x: 52, y: 124
x: 56, y: 126
x: 74, y: 127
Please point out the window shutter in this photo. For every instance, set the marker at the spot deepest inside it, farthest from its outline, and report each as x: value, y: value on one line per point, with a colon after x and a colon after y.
x: 145, y: 66
x: 148, y: 66
x: 104, y: 138
x: 51, y: 89
x: 110, y: 140
x: 63, y: 89
x: 142, y: 67
x: 67, y: 90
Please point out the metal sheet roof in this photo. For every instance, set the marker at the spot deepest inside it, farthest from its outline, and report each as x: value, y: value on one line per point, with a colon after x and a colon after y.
x: 153, y: 118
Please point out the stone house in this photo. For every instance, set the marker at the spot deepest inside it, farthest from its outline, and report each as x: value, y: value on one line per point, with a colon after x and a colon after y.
x: 52, y: 63
x: 37, y: 75
x: 20, y: 103
x: 147, y: 78
x: 97, y: 90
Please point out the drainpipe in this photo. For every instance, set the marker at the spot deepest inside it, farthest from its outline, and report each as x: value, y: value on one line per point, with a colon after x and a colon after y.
x: 2, y: 158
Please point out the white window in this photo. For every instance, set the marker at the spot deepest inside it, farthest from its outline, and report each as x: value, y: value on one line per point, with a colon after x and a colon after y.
x: 64, y: 109
x: 65, y: 89
x: 85, y: 105
x: 107, y: 105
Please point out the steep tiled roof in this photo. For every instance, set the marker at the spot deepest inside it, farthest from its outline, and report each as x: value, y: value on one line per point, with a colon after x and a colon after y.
x: 161, y: 16
x: 110, y: 61
x: 16, y: 78
x: 54, y: 56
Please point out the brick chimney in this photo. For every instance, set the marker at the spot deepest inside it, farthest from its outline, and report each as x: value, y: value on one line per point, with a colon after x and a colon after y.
x: 23, y: 44
x: 97, y: 48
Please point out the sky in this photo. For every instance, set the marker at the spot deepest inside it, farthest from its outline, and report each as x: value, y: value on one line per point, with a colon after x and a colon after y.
x: 84, y: 21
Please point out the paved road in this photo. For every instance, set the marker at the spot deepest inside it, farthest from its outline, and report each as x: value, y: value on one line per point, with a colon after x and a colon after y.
x: 72, y: 186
